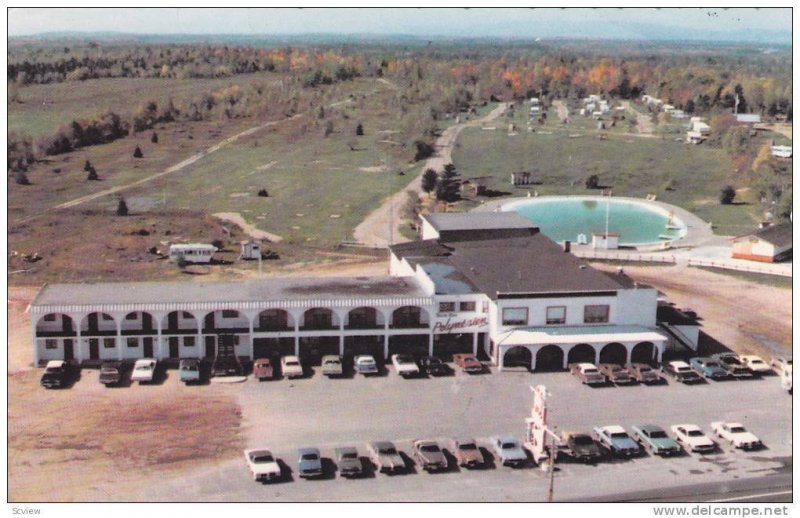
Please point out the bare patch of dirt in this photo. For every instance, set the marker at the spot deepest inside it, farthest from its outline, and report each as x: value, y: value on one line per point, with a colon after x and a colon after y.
x: 255, y: 233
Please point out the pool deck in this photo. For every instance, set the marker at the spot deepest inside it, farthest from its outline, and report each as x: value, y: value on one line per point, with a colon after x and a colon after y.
x: 699, y: 247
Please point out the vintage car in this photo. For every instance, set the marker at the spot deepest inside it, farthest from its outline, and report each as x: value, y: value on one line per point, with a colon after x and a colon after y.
x: 189, y: 371
x: 263, y: 369
x: 691, y: 437
x: 468, y: 363
x: 733, y: 365
x: 429, y: 456
x: 365, y: 364
x: 509, y: 451
x: 755, y: 363
x: 681, y: 371
x: 111, y: 373
x: 616, y: 440
x: 779, y: 363
x: 291, y: 367
x: 385, y: 458
x: 587, y: 373
x: 580, y: 446
x: 57, y: 374
x: 655, y: 440
x: 405, y: 365
x: 644, y: 373
x: 309, y: 463
x: 468, y: 454
x: 736, y: 433
x: 433, y: 366
x: 263, y: 466
x: 331, y: 365
x: 143, y: 370
x: 348, y: 462
x: 708, y: 368
x: 616, y: 374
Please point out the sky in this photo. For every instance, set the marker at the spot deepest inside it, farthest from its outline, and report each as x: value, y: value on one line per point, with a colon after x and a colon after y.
x: 745, y: 24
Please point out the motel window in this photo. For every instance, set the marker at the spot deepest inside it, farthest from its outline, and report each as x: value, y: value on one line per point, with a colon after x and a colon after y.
x: 188, y: 341
x: 51, y: 344
x: 229, y: 313
x: 50, y: 317
x: 132, y: 316
x: 515, y: 316
x: 466, y: 306
x: 447, y: 307
x: 133, y: 341
x: 595, y: 314
x: 556, y: 314
x: 485, y: 306
x: 107, y: 317
x: 109, y: 343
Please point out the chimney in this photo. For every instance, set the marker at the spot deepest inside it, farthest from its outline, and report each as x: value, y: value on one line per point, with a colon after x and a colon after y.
x: 567, y: 246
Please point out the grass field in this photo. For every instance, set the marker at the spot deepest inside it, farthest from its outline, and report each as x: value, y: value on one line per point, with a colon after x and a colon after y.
x: 42, y: 109
x: 562, y: 157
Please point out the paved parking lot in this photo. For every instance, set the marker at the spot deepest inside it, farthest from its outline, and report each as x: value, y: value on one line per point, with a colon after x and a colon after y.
x: 283, y: 415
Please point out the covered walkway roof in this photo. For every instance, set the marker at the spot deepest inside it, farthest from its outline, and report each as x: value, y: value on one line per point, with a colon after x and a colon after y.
x: 577, y: 334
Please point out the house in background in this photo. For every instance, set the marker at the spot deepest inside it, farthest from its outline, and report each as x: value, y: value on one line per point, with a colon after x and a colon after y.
x: 748, y: 118
x: 781, y: 151
x: 770, y: 245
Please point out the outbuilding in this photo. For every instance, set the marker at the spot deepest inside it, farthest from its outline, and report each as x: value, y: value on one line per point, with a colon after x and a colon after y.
x: 770, y: 245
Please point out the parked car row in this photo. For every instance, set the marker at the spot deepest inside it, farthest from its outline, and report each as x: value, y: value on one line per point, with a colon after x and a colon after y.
x: 717, y: 367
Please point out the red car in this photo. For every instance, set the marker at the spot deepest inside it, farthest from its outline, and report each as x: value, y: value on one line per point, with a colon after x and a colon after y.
x: 262, y: 369
x: 468, y: 363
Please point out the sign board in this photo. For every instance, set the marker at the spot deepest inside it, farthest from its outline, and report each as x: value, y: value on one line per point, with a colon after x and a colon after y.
x: 455, y: 324
x: 536, y: 425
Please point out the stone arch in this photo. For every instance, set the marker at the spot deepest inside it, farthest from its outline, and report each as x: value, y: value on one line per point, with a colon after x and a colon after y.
x: 581, y: 353
x: 137, y: 322
x: 364, y: 317
x: 550, y: 358
x: 614, y: 353
x: 319, y: 319
x: 179, y: 322
x: 643, y: 352
x: 518, y: 356
x: 98, y: 323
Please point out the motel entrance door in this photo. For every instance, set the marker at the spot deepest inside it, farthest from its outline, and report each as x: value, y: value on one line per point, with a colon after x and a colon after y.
x: 69, y: 353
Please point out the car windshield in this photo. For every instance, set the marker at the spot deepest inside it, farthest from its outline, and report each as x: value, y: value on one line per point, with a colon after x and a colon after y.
x: 694, y: 433
x: 292, y: 362
x: 738, y: 429
x: 582, y: 440
x: 645, y: 369
x: 682, y: 369
x: 332, y: 362
x: 349, y: 455
x: 366, y: 361
x: 262, y: 458
x: 143, y: 368
x: 619, y: 435
x: 108, y: 370
x: 757, y: 362
x: 404, y: 359
x: 712, y: 365
x: 658, y: 434
x: 309, y: 456
x: 509, y: 445
x: 53, y: 370
x: 190, y: 367
x: 430, y: 448
x: 590, y: 371
x: 467, y: 446
x: 388, y: 451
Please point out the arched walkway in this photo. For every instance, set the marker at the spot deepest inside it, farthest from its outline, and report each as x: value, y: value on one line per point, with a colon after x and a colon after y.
x: 581, y: 353
x: 550, y: 358
x: 614, y: 353
x: 643, y: 352
x: 273, y: 320
x: 518, y: 356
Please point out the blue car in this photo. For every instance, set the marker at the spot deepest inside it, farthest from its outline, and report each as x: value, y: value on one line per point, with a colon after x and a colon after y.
x: 708, y: 368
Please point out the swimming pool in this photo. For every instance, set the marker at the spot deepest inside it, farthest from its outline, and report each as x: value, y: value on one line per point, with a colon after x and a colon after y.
x: 563, y: 218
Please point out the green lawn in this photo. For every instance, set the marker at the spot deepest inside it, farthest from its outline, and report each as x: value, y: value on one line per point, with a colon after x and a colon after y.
x: 688, y: 176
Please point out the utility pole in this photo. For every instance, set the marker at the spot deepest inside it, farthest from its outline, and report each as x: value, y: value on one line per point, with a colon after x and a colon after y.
x: 552, y: 468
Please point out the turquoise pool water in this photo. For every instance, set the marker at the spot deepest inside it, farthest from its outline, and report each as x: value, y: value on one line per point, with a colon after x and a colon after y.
x: 563, y: 219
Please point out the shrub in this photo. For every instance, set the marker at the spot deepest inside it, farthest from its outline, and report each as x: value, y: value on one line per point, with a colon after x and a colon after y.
x: 263, y: 193
x: 137, y: 153
x: 727, y: 194
x: 359, y: 130
x: 122, y: 207
x: 21, y: 178
x: 92, y: 176
x: 429, y: 179
x: 592, y: 181
x: 424, y: 150
x: 154, y: 138
x: 219, y: 244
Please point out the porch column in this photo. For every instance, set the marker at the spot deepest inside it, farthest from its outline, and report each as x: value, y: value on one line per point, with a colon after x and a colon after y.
x: 341, y: 345
x: 119, y: 338
x: 430, y: 344
x: 250, y: 347
x: 596, y: 353
x: 297, y: 337
x: 158, y: 352
x: 200, y: 341
x: 533, y: 359
x: 566, y: 350
x: 659, y: 352
x: 386, y: 346
x: 78, y: 340
x: 628, y: 351
x: 500, y: 357
x: 475, y: 343
x: 35, y: 342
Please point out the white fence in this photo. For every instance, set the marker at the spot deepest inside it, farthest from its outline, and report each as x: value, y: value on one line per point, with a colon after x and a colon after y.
x: 689, y: 261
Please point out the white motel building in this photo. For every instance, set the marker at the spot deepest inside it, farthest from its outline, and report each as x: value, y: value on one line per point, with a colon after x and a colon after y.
x: 484, y: 283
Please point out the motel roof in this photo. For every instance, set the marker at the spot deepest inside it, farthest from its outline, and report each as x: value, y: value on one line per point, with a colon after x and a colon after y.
x: 445, y: 221
x: 286, y: 292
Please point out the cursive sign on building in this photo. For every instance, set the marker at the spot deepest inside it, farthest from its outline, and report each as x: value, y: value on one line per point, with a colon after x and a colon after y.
x: 461, y: 325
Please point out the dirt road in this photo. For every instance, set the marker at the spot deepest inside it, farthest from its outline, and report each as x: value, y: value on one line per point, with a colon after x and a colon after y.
x: 644, y: 124
x: 376, y: 230
x: 561, y: 108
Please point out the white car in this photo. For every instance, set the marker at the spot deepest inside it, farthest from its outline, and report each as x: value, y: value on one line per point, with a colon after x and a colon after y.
x: 263, y: 465
x: 291, y: 367
x: 365, y: 364
x: 779, y: 363
x: 736, y: 433
x: 755, y: 363
x: 143, y: 370
x: 690, y: 436
x: 405, y: 365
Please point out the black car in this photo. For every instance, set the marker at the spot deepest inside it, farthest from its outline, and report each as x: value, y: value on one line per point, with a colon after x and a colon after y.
x: 57, y: 374
x: 433, y: 366
x: 111, y: 373
x: 582, y: 447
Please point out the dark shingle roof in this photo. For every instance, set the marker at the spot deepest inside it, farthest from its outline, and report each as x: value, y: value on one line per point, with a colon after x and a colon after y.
x: 445, y: 221
x: 779, y: 235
